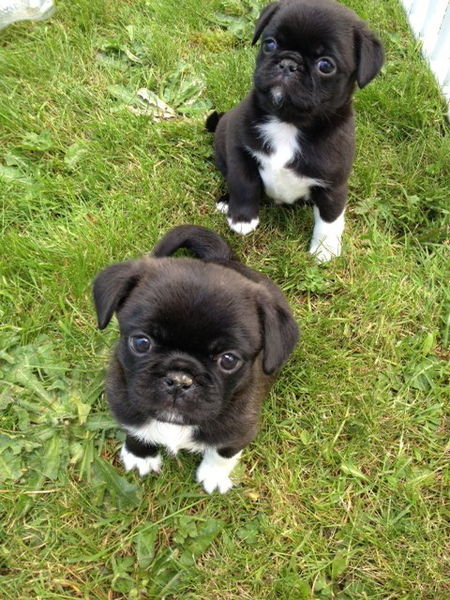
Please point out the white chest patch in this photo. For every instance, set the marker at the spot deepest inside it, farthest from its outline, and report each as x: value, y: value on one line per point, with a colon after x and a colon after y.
x: 170, y: 435
x: 281, y: 182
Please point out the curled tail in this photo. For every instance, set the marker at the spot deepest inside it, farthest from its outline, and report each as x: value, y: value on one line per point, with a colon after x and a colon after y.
x: 212, y: 121
x: 202, y: 242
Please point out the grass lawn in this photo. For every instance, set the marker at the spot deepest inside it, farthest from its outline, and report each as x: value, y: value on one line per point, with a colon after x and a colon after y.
x: 343, y: 493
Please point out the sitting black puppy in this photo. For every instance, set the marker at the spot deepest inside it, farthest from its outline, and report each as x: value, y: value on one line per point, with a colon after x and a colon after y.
x: 200, y: 344
x: 293, y: 135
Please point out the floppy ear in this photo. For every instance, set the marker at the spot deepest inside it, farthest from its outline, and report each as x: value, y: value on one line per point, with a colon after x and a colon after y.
x: 280, y: 333
x: 112, y: 286
x: 264, y: 19
x: 369, y: 55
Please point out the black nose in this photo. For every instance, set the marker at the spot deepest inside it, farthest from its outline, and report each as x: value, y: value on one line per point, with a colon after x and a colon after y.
x: 175, y: 380
x: 287, y: 65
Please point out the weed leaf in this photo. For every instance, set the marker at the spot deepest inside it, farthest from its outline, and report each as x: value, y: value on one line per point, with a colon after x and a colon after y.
x: 351, y: 469
x: 14, y: 175
x: 52, y: 458
x: 206, y: 534
x: 40, y: 142
x: 123, y: 493
x: 9, y: 466
x: 74, y: 153
x: 145, y: 545
x: 249, y: 532
x: 339, y: 565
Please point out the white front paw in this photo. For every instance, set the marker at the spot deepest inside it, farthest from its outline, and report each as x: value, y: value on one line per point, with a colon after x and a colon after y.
x: 222, y: 207
x: 214, y: 470
x: 213, y: 478
x: 326, y: 248
x: 243, y: 227
x: 143, y: 465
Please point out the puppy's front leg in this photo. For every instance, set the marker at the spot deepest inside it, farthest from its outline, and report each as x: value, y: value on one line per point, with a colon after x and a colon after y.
x: 245, y: 190
x: 329, y: 208
x: 141, y: 456
x: 215, y: 468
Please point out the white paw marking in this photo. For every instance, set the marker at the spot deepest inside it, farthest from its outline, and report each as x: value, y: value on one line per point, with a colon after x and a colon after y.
x: 143, y: 465
x: 326, y: 239
x: 211, y: 481
x: 222, y: 207
x: 243, y: 227
x: 214, y: 470
x: 325, y: 250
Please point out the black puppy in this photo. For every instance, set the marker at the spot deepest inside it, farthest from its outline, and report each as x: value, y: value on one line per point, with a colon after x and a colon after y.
x: 293, y: 136
x: 200, y: 344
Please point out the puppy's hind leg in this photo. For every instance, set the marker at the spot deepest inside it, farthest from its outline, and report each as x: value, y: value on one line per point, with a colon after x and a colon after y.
x: 328, y: 223
x: 141, y: 456
x: 223, y: 201
x: 222, y: 204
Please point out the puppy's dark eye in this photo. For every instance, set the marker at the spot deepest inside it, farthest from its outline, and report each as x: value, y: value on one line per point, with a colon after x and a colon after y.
x: 325, y: 66
x: 140, y: 344
x: 229, y: 362
x: 269, y: 45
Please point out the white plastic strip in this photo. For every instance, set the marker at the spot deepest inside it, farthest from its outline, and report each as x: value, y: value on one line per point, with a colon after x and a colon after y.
x: 430, y: 22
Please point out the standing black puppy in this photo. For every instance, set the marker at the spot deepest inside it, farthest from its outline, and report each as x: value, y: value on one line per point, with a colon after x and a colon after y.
x: 293, y: 135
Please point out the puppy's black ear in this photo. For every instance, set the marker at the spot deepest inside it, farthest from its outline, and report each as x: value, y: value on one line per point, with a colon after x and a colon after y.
x: 264, y: 19
x: 369, y: 55
x: 280, y: 333
x: 112, y: 286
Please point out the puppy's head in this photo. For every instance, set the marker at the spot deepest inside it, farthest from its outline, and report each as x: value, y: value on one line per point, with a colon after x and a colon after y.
x: 192, y: 334
x: 312, y: 53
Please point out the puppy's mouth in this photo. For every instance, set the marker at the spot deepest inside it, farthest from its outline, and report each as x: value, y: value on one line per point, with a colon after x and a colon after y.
x: 170, y: 416
x: 277, y: 95
x: 282, y: 90
x: 281, y: 96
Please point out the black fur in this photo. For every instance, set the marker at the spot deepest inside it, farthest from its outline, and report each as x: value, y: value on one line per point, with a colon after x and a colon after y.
x: 139, y: 448
x: 193, y: 311
x: 318, y: 106
x: 202, y: 242
x: 213, y: 120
